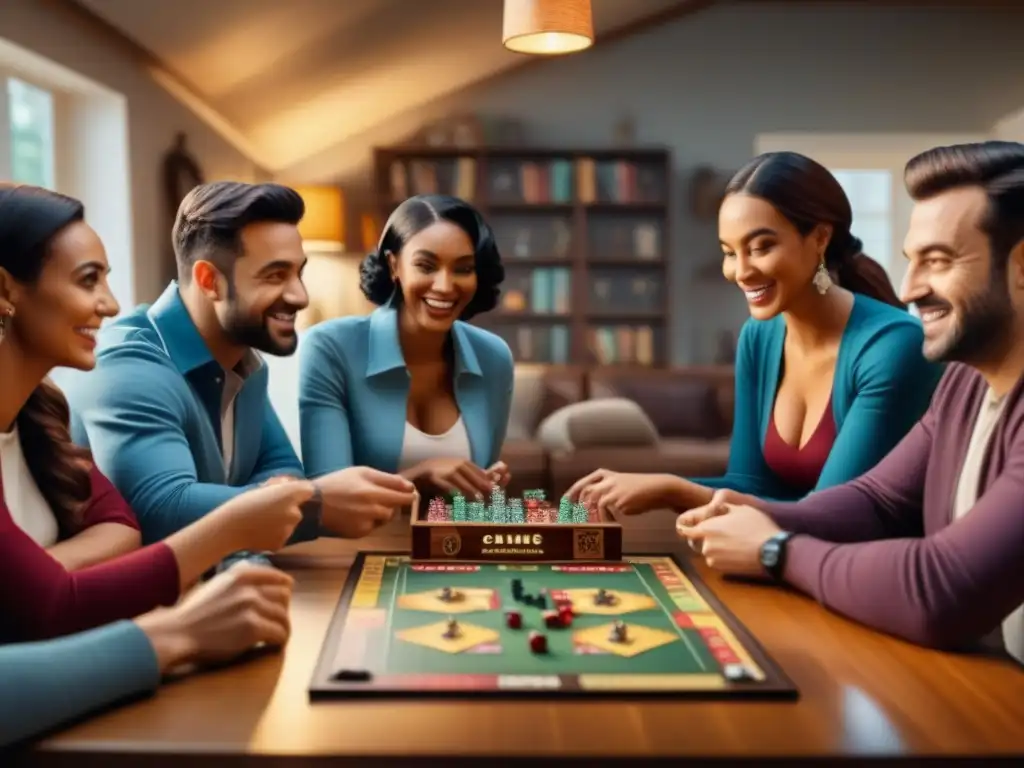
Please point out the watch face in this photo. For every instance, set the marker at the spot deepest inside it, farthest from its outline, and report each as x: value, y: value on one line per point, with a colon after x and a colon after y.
x: 771, y: 555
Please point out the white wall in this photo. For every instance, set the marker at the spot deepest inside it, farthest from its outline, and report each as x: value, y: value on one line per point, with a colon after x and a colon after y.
x: 1011, y: 127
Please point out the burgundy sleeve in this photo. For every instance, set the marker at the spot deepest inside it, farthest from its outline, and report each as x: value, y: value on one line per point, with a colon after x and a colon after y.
x: 39, y: 599
x: 945, y: 590
x: 106, y: 505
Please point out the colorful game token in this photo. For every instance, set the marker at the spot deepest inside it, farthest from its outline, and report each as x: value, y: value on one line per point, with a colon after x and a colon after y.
x: 514, y: 619
x: 538, y: 642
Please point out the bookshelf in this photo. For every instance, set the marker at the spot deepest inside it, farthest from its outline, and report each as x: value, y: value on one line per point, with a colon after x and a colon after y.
x: 584, y: 236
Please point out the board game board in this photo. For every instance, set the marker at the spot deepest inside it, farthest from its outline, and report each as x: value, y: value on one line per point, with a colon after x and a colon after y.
x: 644, y: 625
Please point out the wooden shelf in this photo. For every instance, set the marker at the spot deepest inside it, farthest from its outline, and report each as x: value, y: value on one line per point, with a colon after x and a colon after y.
x: 586, y: 231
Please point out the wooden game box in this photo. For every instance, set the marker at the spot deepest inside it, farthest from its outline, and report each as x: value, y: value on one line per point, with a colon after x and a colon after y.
x: 513, y: 542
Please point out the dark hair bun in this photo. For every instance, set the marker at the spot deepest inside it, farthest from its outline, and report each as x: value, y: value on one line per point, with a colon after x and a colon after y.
x: 375, y: 278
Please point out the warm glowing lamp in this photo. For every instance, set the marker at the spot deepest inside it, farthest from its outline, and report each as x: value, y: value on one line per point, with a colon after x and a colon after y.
x: 548, y: 27
x: 323, y: 226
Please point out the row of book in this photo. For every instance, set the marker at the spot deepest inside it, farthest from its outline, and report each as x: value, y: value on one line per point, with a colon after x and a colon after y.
x: 607, y: 345
x: 531, y: 181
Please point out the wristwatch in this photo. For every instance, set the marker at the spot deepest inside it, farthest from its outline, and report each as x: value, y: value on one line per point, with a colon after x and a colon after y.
x: 773, y: 554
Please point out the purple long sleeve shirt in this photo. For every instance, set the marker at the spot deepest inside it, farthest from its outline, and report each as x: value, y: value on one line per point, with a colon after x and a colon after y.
x: 884, y: 550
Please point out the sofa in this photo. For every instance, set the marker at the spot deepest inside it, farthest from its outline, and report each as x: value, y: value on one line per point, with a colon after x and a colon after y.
x: 676, y: 420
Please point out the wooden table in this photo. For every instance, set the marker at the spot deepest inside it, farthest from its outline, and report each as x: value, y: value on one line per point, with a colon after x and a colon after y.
x: 862, y: 695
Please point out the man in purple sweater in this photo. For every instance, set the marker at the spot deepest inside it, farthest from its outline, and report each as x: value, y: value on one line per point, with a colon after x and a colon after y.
x: 929, y: 544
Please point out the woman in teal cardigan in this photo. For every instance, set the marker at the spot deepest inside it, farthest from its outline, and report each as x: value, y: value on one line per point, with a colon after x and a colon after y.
x: 413, y: 388
x: 829, y: 369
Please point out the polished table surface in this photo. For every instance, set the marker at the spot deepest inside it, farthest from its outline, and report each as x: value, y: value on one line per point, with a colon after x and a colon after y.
x: 862, y: 695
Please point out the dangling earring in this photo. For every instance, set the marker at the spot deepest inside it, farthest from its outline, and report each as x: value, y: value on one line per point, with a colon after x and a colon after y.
x: 822, y: 279
x: 7, y: 313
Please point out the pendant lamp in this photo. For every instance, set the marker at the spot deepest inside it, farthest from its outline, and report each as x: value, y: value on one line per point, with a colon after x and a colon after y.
x: 548, y: 27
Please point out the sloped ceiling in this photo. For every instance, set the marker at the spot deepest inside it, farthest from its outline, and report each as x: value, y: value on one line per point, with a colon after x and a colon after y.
x: 293, y: 79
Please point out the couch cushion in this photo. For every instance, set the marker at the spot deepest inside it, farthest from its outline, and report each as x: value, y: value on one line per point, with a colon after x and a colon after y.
x: 597, y: 423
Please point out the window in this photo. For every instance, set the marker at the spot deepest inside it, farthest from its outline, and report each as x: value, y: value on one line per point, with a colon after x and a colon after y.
x: 30, y: 114
x: 870, y: 194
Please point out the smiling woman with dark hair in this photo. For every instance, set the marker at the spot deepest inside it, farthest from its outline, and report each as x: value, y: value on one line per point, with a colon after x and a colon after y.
x: 829, y: 370
x: 413, y: 388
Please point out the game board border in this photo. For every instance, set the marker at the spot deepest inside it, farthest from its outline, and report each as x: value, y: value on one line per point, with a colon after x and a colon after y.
x: 777, y: 685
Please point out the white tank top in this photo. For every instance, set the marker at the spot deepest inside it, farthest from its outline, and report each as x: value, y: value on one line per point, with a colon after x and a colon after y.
x: 418, y: 446
x: 22, y: 496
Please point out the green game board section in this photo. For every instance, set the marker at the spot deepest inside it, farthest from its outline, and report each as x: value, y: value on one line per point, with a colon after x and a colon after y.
x: 390, y: 655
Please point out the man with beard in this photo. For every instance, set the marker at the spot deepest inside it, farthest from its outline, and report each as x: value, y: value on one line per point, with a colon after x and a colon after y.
x: 928, y: 545
x: 176, y: 411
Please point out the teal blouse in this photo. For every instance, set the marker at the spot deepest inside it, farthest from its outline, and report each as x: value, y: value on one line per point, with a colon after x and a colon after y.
x: 882, y: 386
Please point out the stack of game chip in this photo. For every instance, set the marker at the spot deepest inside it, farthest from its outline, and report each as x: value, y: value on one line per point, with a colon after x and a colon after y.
x: 458, y: 508
x: 499, y: 510
x: 437, y: 510
x: 565, y: 511
x: 476, y: 512
x: 580, y: 515
x: 515, y: 511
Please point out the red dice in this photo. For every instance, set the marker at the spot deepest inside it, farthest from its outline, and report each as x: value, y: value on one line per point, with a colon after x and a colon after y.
x: 514, y: 619
x: 565, y: 615
x: 552, y: 619
x: 538, y: 642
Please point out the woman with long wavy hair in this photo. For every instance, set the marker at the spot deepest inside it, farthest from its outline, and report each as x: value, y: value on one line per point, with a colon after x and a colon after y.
x: 69, y: 545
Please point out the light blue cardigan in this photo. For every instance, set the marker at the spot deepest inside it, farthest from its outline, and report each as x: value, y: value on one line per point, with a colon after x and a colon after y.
x: 354, y: 387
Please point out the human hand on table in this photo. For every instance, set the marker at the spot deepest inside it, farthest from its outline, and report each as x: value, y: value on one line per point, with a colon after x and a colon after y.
x: 357, y: 500
x: 719, y: 505
x: 624, y: 493
x: 233, y: 612
x: 728, y: 536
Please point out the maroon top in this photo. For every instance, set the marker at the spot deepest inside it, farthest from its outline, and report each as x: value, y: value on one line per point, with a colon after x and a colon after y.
x: 799, y: 467
x: 40, y: 599
x: 884, y: 550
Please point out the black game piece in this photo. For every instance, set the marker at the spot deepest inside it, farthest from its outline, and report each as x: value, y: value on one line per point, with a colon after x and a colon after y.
x: 541, y: 601
x: 353, y: 676
x: 517, y: 586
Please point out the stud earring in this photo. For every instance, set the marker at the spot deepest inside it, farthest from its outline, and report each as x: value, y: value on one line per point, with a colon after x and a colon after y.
x: 822, y: 279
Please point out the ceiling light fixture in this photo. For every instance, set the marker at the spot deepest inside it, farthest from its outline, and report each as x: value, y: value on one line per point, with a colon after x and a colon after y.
x: 548, y: 27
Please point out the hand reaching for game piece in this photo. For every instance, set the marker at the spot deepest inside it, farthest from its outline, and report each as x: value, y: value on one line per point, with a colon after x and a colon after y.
x: 357, y: 500
x: 500, y: 474
x: 232, y: 613
x: 454, y: 476
x: 624, y: 493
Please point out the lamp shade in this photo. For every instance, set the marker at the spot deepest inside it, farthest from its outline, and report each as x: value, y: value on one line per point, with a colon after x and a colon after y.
x: 323, y: 226
x: 548, y: 27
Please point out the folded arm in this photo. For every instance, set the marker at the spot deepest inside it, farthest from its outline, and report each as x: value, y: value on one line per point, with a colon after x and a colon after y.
x: 49, y: 683
x: 942, y: 590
